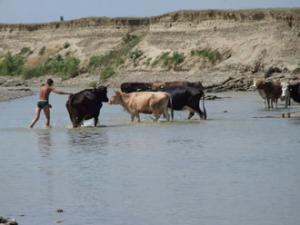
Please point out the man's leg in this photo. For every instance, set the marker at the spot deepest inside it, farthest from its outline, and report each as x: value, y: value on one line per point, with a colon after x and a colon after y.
x: 47, y: 115
x: 36, y: 116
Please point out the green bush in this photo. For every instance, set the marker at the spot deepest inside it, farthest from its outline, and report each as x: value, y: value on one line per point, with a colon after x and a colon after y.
x: 134, y: 55
x: 106, y: 73
x: 34, y: 72
x: 25, y: 51
x: 212, y: 56
x: 66, y: 67
x: 67, y: 45
x: 176, y: 58
x: 168, y: 60
x: 42, y: 50
x: 12, y: 64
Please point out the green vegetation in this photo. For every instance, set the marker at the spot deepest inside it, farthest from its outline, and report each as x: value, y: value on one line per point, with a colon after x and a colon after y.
x: 168, y: 60
x: 212, y: 56
x: 106, y: 73
x: 93, y: 84
x: 25, y: 51
x: 14, y: 65
x: 65, y: 67
x: 297, y: 11
x: 134, y: 55
x: 67, y: 45
x: 108, y: 63
x: 42, y: 50
x: 11, y: 64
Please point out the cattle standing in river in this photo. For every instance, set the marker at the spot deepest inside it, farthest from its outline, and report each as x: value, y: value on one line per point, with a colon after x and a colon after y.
x: 86, y: 105
x: 269, y: 90
x: 184, y: 94
x: 184, y: 97
x: 291, y: 91
x: 155, y: 103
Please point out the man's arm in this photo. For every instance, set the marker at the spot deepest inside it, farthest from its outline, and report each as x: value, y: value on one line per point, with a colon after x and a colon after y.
x: 60, y: 92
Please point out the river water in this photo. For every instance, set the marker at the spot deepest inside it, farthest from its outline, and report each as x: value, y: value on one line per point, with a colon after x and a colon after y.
x: 232, y: 169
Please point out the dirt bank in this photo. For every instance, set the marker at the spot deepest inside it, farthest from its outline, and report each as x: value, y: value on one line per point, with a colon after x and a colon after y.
x: 225, y: 49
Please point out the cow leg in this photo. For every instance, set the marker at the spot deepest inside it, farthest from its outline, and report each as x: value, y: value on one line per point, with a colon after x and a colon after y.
x: 191, y: 114
x: 268, y: 103
x: 95, y: 121
x: 77, y: 122
x: 194, y: 107
x: 138, y: 117
x: 166, y: 114
x: 156, y: 117
x: 132, y: 117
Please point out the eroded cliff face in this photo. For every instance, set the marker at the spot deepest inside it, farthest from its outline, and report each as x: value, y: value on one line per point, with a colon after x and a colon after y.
x: 247, y: 43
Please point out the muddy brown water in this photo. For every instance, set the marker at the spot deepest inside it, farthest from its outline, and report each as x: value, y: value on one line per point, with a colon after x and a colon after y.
x: 231, y: 169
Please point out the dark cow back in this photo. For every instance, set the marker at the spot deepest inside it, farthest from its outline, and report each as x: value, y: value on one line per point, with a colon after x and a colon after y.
x: 129, y: 87
x: 86, y: 105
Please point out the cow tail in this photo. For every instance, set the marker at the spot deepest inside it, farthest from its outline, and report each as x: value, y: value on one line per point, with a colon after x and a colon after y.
x: 203, y: 105
x: 171, y: 106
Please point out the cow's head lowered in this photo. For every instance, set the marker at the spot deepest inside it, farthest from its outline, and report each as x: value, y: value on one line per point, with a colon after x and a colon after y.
x: 101, y: 92
x: 116, y: 98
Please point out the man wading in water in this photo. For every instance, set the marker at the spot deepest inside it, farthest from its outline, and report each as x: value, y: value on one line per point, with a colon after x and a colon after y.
x: 43, y: 103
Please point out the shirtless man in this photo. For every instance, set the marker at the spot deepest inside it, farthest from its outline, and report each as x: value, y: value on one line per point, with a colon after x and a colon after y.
x: 43, y: 103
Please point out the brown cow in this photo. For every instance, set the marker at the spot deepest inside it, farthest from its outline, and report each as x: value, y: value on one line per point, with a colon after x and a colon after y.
x: 134, y: 103
x: 269, y: 90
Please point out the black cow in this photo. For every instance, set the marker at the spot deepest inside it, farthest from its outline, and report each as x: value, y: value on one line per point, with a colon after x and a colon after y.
x: 129, y: 87
x: 86, y: 105
x: 183, y: 97
x: 198, y: 85
x: 291, y: 91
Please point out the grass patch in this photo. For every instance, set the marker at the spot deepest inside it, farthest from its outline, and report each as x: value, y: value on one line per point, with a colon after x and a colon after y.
x: 168, y: 59
x: 108, y: 63
x: 42, y: 50
x: 65, y: 67
x: 25, y: 51
x: 212, y: 56
x: 106, y: 73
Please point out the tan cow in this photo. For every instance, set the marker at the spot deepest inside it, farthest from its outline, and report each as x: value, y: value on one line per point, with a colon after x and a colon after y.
x: 134, y: 103
x: 269, y: 90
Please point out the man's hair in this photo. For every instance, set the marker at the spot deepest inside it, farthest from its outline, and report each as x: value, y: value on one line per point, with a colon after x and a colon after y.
x: 50, y: 82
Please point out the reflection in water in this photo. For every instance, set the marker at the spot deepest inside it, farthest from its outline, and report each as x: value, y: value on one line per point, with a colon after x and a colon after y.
x: 44, y: 142
x: 88, y: 139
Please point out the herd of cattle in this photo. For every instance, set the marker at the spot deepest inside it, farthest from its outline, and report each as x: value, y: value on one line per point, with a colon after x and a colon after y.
x: 158, y: 97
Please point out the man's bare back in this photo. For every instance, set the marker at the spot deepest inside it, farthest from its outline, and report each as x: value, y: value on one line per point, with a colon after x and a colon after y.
x: 45, y: 91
